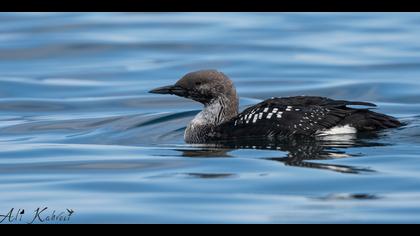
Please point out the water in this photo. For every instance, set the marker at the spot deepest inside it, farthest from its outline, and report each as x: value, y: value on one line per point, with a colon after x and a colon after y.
x: 79, y: 131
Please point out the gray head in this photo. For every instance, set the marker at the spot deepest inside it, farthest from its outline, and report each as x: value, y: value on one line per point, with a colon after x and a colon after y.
x: 204, y: 86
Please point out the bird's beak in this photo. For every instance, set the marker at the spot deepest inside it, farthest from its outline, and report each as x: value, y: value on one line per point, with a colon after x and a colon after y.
x: 171, y: 89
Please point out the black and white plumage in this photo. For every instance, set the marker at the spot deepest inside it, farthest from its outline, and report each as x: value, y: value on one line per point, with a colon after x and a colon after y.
x: 275, y: 117
x: 305, y: 115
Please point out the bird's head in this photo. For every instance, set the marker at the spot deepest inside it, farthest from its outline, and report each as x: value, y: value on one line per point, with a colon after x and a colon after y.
x: 203, y: 86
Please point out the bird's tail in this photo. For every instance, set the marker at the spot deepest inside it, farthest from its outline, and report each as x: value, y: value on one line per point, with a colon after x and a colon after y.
x: 382, y: 121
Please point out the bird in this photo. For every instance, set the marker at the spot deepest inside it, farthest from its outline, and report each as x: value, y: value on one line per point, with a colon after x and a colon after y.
x: 277, y: 117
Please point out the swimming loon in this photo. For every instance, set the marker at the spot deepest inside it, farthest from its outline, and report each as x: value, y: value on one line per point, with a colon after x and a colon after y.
x: 275, y: 117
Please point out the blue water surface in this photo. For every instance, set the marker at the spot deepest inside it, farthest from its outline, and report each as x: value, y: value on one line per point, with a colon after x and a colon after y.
x: 79, y: 131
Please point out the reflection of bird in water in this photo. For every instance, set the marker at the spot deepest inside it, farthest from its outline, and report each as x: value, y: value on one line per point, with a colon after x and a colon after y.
x: 301, y: 151
x: 206, y: 152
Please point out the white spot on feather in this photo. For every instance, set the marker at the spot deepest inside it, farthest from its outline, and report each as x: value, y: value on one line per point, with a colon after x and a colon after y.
x: 255, y: 118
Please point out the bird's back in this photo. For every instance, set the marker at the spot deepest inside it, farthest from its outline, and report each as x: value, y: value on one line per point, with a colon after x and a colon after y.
x: 302, y: 115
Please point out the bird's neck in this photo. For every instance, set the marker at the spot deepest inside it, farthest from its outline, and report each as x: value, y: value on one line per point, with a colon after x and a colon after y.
x: 214, y: 113
x: 218, y: 111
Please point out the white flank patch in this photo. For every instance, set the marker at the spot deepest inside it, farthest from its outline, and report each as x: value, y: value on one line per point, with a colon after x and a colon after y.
x: 346, y: 129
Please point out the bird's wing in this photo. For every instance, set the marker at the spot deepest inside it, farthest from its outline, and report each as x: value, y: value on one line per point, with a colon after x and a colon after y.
x: 288, y: 116
x: 313, y: 100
